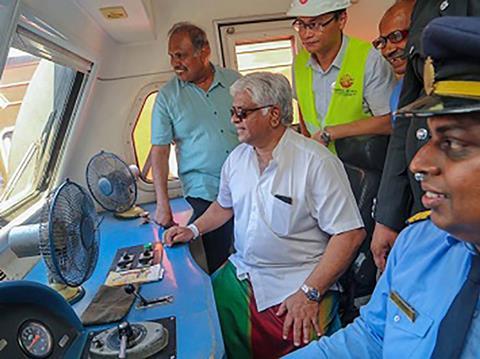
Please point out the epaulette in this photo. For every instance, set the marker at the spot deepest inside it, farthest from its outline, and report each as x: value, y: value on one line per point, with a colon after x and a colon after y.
x: 420, y: 216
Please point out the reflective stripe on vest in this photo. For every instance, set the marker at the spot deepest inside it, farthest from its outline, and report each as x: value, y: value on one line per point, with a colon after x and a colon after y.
x: 346, y: 103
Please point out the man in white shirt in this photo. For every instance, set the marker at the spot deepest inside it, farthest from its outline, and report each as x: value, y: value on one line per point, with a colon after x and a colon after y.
x: 297, y: 227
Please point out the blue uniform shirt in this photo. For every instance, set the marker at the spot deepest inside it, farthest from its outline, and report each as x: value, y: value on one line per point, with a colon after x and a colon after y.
x: 199, y: 124
x: 395, y: 98
x: 427, y: 268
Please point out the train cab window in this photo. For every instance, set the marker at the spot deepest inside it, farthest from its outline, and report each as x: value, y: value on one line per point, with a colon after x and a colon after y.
x: 263, y: 45
x: 141, y: 135
x: 39, y: 87
x: 274, y: 56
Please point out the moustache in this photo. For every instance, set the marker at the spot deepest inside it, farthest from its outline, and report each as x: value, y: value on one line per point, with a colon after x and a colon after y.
x: 397, y: 54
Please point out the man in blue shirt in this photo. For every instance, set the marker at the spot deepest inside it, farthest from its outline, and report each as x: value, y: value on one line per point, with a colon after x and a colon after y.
x: 426, y: 304
x: 192, y: 110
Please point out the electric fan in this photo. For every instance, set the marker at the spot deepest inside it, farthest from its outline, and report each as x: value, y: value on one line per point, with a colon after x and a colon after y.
x: 113, y: 184
x: 66, y: 237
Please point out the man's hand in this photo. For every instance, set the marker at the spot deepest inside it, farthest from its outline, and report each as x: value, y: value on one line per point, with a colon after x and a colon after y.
x: 382, y: 242
x: 332, y: 135
x: 164, y: 217
x: 177, y: 234
x: 302, y: 314
x: 317, y: 136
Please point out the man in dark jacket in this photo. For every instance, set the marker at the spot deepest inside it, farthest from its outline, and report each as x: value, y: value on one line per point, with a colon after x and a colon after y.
x: 399, y: 194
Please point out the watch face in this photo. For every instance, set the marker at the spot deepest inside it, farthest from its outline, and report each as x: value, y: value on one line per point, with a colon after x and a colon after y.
x: 325, y: 136
x: 313, y: 295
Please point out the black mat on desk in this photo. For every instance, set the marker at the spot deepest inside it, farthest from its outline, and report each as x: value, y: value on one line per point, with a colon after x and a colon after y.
x: 169, y: 352
x: 109, y: 305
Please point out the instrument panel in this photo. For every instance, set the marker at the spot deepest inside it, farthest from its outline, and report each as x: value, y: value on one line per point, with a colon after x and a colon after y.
x: 36, y: 323
x: 35, y: 339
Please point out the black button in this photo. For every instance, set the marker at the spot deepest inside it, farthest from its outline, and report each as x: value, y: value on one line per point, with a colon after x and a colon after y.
x: 227, y: 151
x: 221, y: 131
x: 208, y: 95
x: 215, y: 113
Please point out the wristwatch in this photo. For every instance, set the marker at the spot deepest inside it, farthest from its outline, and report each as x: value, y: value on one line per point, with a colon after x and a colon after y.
x: 312, y: 293
x: 326, y: 137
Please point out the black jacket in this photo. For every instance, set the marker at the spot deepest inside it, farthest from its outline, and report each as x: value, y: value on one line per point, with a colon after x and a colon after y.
x: 399, y: 195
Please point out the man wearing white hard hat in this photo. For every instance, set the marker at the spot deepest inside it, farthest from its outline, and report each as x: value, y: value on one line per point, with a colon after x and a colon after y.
x: 342, y: 84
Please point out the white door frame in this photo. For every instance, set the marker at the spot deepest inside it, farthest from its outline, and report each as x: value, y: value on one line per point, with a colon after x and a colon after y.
x: 231, y: 32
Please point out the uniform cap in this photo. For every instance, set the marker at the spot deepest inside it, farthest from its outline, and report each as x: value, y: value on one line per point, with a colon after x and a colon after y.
x: 451, y: 45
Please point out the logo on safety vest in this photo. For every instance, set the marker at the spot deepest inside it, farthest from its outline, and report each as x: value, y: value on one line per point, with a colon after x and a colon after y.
x: 303, y: 2
x: 346, y: 81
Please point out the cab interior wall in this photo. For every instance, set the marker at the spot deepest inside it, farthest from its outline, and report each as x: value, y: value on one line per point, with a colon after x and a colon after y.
x: 123, y: 69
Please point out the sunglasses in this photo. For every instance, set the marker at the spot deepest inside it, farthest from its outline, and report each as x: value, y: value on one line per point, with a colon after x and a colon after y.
x: 394, y: 37
x: 299, y: 25
x: 242, y: 113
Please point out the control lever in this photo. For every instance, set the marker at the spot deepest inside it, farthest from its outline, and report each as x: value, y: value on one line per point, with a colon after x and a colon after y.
x: 124, y: 332
x: 130, y: 289
x: 146, y: 303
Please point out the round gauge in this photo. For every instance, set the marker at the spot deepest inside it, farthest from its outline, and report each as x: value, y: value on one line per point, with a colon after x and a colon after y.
x: 35, y: 339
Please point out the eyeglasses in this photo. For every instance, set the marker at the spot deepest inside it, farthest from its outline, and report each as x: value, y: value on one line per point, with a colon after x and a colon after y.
x: 242, y: 113
x: 394, y: 37
x: 299, y: 25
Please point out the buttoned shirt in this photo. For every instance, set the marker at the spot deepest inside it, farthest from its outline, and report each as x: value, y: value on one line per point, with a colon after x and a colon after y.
x: 285, y: 216
x: 426, y: 268
x: 378, y: 82
x: 198, y: 122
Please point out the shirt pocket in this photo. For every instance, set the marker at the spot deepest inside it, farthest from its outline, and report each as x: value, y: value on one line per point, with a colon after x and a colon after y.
x: 279, y: 216
x: 403, y: 333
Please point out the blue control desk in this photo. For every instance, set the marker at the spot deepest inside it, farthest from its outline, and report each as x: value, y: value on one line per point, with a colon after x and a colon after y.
x: 198, y: 329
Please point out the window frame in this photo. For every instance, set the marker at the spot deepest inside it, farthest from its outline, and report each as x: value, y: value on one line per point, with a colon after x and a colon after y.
x: 56, y: 141
x: 174, y: 185
x: 265, y: 28
x: 241, y: 31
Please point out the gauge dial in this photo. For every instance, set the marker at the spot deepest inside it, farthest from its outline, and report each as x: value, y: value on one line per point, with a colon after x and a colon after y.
x: 35, y: 339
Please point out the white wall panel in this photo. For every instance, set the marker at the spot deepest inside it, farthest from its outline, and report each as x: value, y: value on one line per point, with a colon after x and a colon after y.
x: 152, y: 56
x: 80, y: 33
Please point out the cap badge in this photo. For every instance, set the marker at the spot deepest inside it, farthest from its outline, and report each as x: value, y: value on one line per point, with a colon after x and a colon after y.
x: 429, y: 76
x: 303, y: 2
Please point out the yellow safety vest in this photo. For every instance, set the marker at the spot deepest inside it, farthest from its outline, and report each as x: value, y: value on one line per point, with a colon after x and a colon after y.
x: 346, y: 104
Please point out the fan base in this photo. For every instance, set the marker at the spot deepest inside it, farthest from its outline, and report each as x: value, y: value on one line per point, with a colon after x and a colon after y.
x: 133, y: 212
x: 71, y: 294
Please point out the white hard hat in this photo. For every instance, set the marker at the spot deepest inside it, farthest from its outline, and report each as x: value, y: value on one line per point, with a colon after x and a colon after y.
x: 316, y: 7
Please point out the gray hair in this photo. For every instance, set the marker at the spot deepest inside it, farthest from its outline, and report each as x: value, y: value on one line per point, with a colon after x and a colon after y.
x: 267, y: 88
x: 197, y: 36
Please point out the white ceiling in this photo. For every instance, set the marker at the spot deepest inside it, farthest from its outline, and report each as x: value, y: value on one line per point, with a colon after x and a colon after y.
x: 139, y: 26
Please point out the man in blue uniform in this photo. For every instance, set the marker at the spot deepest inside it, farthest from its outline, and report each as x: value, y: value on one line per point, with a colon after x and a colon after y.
x: 426, y: 304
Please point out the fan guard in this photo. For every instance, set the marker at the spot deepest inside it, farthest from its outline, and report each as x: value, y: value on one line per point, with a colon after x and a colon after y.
x: 111, y: 182
x: 69, y: 238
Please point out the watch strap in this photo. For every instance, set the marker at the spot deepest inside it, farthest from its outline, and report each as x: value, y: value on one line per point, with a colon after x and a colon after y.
x: 194, y: 229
